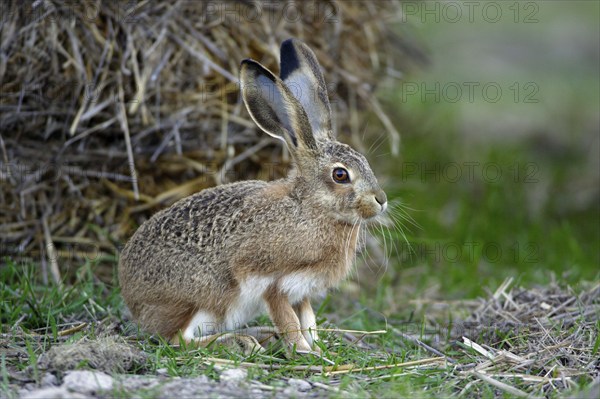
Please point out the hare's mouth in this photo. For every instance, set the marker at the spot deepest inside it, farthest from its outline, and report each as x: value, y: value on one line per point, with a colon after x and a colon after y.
x: 362, y: 212
x: 357, y: 218
x: 368, y: 211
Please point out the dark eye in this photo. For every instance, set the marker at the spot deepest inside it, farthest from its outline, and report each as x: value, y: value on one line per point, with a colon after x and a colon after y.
x: 341, y: 175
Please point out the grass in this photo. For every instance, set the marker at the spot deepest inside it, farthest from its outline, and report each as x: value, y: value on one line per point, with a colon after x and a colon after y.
x: 37, y: 317
x: 48, y: 310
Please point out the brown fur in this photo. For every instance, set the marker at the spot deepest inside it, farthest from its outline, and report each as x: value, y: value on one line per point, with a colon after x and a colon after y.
x: 277, y: 190
x: 168, y: 318
x: 285, y: 319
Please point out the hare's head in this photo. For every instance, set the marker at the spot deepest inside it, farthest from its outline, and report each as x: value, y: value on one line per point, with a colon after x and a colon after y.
x: 295, y: 108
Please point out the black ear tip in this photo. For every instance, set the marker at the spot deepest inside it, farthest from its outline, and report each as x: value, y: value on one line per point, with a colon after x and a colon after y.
x: 288, y: 44
x: 245, y: 67
x: 250, y: 68
x: 246, y: 62
x: 291, y: 45
x: 289, y: 57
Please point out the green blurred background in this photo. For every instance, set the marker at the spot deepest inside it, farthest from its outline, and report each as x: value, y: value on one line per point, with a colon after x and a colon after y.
x: 500, y: 149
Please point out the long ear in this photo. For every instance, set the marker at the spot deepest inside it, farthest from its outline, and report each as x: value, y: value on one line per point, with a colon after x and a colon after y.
x: 301, y: 73
x: 274, y: 109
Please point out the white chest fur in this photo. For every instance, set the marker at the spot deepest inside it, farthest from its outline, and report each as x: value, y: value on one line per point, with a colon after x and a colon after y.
x: 250, y: 302
x: 300, y: 285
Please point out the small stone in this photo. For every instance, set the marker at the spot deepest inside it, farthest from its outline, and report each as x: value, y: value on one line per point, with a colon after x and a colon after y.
x: 49, y: 380
x: 87, y: 381
x: 234, y: 375
x: 30, y: 386
x: 162, y: 371
x: 199, y: 387
x: 299, y: 385
x: 53, y: 393
x: 137, y: 382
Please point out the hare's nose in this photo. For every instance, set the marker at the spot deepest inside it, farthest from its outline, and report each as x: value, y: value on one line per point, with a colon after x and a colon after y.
x: 381, y: 199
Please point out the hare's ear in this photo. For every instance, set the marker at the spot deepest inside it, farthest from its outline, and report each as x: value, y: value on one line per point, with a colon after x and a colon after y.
x: 301, y: 73
x: 274, y: 109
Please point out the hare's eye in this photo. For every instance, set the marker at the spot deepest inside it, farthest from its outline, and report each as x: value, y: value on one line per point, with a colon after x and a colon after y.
x: 341, y: 175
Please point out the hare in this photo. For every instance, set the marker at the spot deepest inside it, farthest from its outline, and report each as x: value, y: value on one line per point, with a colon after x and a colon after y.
x: 217, y: 259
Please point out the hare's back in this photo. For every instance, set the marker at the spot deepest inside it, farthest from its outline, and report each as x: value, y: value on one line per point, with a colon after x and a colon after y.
x: 183, y: 248
x: 207, y: 218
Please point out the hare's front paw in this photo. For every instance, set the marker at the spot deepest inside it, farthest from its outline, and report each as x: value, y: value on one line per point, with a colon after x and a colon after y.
x: 311, y: 336
x: 314, y: 351
x: 298, y: 346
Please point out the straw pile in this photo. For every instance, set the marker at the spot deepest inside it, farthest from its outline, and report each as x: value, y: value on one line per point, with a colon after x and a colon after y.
x: 111, y: 110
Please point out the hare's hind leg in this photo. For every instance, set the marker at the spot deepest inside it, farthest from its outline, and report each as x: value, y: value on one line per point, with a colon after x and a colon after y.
x: 203, y: 330
x: 308, y: 321
x: 265, y: 335
x: 247, y: 344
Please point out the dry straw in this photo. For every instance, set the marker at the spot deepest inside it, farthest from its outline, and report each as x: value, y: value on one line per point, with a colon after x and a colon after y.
x: 531, y: 342
x: 111, y: 110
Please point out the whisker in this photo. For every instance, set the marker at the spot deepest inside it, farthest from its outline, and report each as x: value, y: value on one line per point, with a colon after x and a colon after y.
x: 355, y: 224
x: 398, y: 217
x: 396, y: 210
x: 394, y: 246
x: 385, y: 248
x: 380, y: 140
x: 382, y: 155
x: 369, y: 258
x: 405, y: 206
x: 382, y: 260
